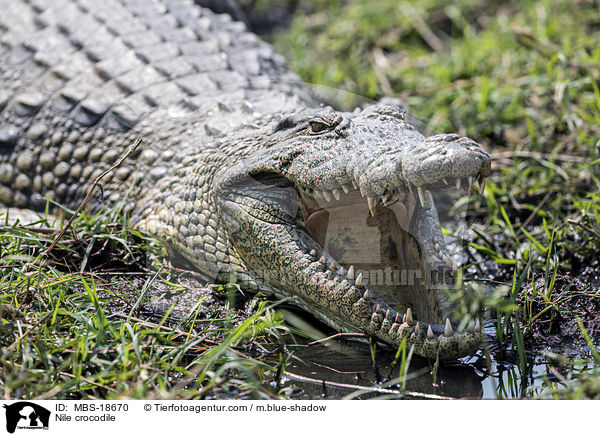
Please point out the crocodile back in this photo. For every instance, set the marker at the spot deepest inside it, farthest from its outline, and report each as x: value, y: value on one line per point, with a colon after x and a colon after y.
x: 77, y: 77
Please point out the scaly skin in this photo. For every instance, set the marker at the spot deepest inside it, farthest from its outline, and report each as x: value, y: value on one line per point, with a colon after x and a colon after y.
x: 240, y: 171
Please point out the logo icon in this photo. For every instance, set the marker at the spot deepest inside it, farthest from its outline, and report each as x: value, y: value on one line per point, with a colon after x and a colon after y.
x: 26, y: 415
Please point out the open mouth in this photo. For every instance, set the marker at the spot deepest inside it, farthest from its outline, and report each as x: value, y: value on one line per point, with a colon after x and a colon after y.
x: 392, y: 248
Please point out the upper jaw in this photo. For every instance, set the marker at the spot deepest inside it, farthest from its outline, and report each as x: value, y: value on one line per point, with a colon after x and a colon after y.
x: 415, y: 211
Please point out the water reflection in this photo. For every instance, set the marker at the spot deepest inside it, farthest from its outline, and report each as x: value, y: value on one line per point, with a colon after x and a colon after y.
x: 337, y: 369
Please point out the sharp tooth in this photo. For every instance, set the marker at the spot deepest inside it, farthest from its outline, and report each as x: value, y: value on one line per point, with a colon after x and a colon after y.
x: 318, y: 194
x: 477, y: 326
x: 359, y: 281
x: 417, y: 328
x: 354, y: 185
x: 378, y: 309
x: 366, y: 295
x: 372, y: 201
x: 429, y: 333
x: 350, y: 274
x: 322, y: 259
x: 384, y: 200
x: 470, y: 326
x: 341, y: 271
x: 397, y: 318
x: 445, y: 181
x: 437, y: 247
x: 422, y: 195
x: 481, y: 179
x: 388, y: 314
x: 458, y: 183
x: 327, y: 195
x: 332, y: 266
x: 345, y: 188
x: 336, y: 193
x: 409, y: 317
x: 470, y: 183
x: 313, y: 253
x: 448, y: 332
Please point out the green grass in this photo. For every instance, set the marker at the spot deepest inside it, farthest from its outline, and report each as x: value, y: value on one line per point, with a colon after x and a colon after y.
x: 77, y: 323
x: 69, y: 331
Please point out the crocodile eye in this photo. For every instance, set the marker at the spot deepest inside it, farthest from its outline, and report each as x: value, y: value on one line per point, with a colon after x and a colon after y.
x: 318, y: 126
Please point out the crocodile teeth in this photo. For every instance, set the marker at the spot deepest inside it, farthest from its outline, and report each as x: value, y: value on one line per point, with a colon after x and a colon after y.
x: 388, y: 314
x: 366, y: 295
x: 470, y: 326
x: 341, y: 271
x: 409, y: 317
x: 417, y: 328
x: 372, y: 201
x: 429, y: 333
x: 458, y: 183
x: 470, y: 183
x: 378, y: 309
x: 322, y: 260
x: 448, y: 332
x: 345, y: 189
x: 384, y: 200
x: 477, y: 326
x: 421, y: 192
x: 327, y: 195
x: 481, y: 180
x: 332, y: 266
x: 350, y: 274
x: 318, y: 194
x: 397, y: 318
x: 336, y: 193
x: 354, y: 185
x: 445, y: 181
x: 424, y: 198
x: 359, y: 281
x: 313, y: 253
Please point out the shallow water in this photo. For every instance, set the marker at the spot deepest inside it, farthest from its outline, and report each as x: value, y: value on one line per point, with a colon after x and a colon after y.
x: 340, y: 369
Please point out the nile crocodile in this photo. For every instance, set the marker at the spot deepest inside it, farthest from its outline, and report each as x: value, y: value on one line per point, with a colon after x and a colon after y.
x: 240, y: 171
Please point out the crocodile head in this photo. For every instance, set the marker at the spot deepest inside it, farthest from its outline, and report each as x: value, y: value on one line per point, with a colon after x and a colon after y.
x: 335, y: 211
